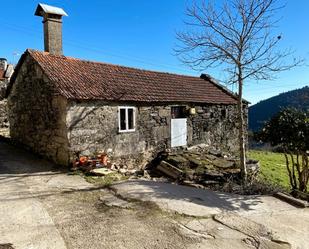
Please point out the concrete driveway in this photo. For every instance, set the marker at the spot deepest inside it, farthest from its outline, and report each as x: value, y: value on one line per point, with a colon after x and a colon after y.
x: 198, y: 202
x: 24, y: 221
x: 43, y: 207
x: 286, y: 223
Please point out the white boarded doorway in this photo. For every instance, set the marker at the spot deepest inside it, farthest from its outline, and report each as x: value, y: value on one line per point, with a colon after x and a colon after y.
x: 178, y: 127
x: 179, y: 132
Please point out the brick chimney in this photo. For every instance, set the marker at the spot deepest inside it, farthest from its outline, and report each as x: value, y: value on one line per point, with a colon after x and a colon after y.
x: 52, y: 20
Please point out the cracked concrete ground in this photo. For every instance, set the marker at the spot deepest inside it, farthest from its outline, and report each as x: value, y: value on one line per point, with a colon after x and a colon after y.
x: 44, y: 207
x: 268, y: 221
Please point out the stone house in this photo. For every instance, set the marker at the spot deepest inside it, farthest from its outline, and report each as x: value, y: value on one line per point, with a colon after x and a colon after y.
x: 6, y: 71
x: 60, y: 106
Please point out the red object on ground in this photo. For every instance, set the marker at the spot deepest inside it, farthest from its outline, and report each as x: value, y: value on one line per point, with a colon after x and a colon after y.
x: 104, y: 159
x: 83, y: 159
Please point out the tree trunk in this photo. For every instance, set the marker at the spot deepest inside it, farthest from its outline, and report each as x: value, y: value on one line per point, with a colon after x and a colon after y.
x: 242, y: 140
x: 288, y: 169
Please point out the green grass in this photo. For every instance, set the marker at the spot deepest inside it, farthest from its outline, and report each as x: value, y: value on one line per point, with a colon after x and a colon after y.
x: 105, y: 181
x: 273, y: 167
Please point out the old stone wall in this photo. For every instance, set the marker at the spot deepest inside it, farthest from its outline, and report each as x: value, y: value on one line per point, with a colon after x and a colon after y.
x: 6, y: 71
x: 36, y: 116
x: 3, y: 86
x: 216, y: 125
x: 93, y: 127
x: 4, y: 122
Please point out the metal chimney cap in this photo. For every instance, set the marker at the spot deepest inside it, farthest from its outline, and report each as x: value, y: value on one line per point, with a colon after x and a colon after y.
x: 44, y: 8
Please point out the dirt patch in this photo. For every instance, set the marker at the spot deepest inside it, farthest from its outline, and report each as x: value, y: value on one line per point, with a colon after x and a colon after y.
x: 85, y: 222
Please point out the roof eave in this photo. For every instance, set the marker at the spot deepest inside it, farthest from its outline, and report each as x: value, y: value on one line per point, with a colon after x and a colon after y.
x: 223, y: 88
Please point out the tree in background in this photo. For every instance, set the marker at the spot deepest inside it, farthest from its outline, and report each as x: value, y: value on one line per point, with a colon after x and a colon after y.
x: 237, y: 38
x: 289, y: 130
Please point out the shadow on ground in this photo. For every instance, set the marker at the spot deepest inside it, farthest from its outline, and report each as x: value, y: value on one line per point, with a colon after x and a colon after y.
x: 25, y: 176
x: 17, y: 164
x: 183, y: 197
x: 16, y: 160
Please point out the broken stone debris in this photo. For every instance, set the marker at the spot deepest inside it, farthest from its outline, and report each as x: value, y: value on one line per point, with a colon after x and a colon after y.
x: 101, y: 171
x: 200, y: 166
x: 169, y: 170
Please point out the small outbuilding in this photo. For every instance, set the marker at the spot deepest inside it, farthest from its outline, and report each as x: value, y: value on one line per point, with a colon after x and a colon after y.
x: 60, y: 106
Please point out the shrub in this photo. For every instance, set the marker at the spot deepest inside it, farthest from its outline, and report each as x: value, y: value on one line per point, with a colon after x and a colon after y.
x: 289, y: 130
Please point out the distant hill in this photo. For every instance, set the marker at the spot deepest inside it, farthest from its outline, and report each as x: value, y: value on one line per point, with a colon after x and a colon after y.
x: 264, y: 110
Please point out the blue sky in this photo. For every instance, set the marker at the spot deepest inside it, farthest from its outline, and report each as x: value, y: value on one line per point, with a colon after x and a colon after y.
x: 141, y: 34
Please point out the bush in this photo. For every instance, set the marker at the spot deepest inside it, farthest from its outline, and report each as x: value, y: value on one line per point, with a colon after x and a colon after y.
x: 289, y: 131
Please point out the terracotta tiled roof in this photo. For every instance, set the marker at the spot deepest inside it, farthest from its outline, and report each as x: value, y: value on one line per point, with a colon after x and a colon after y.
x: 85, y: 80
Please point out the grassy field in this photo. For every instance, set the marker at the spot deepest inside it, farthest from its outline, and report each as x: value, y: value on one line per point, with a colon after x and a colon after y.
x: 273, y: 168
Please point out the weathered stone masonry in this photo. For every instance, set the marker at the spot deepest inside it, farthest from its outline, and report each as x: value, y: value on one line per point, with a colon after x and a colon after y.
x: 93, y: 127
x: 217, y: 125
x: 4, y: 123
x: 36, y: 116
x: 6, y: 71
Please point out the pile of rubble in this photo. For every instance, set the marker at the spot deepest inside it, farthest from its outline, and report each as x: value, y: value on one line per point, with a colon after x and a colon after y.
x: 197, y: 166
x: 201, y: 166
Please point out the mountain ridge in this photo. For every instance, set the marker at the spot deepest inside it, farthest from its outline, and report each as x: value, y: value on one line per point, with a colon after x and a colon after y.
x: 265, y: 109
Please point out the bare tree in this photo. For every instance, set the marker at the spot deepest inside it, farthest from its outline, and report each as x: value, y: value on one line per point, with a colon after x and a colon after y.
x: 237, y: 38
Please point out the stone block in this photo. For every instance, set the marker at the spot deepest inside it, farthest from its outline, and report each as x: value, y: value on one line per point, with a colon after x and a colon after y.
x: 164, y: 112
x: 199, y: 110
x: 178, y: 161
x: 169, y: 170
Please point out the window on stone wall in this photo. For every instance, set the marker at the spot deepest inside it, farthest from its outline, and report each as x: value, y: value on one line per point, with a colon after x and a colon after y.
x: 223, y: 113
x: 178, y: 112
x: 126, y: 116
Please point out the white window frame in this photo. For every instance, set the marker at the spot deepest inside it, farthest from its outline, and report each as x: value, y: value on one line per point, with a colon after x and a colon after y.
x: 126, y: 108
